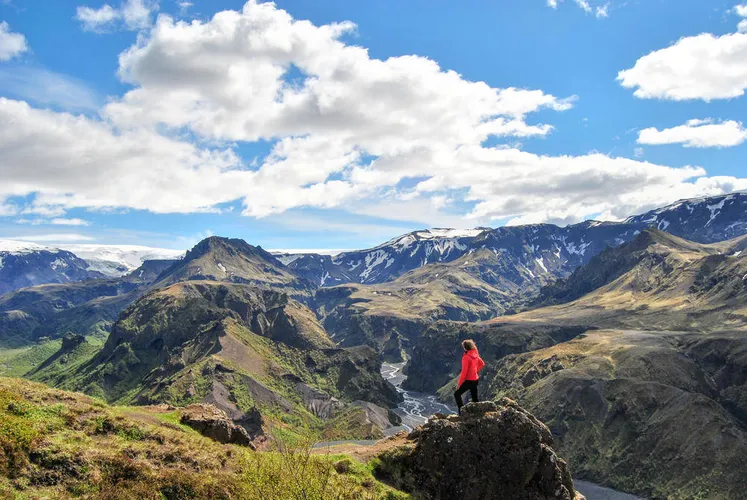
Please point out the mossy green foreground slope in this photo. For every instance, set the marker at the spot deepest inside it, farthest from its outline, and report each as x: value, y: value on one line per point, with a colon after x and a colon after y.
x: 58, y: 444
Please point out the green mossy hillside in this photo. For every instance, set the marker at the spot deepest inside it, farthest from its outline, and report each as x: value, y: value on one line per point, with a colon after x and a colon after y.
x: 56, y: 444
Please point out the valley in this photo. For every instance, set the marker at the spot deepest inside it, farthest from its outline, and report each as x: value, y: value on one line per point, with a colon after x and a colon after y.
x: 628, y: 341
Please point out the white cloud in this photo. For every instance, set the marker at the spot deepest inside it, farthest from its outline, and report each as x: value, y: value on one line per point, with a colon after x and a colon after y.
x: 47, y: 88
x: 376, y: 137
x: 55, y: 237
x: 600, y: 11
x: 639, y: 152
x: 703, y: 67
x: 741, y: 11
x: 75, y: 161
x: 68, y: 222
x: 11, y: 44
x: 697, y: 134
x: 184, y: 7
x: 132, y: 15
x: 7, y: 210
x: 95, y: 19
x: 584, y: 4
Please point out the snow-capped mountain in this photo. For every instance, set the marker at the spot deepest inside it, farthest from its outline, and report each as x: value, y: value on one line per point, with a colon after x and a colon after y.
x: 25, y: 264
x: 118, y: 260
x: 542, y: 250
x: 703, y: 220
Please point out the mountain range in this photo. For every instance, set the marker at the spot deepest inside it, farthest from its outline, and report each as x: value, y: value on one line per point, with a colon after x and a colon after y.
x: 540, y: 252
x: 617, y: 334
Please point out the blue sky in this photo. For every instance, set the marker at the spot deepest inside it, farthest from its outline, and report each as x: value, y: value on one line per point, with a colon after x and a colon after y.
x: 271, y: 123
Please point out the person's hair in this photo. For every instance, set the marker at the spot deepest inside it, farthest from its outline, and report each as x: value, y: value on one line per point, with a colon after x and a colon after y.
x: 468, y: 345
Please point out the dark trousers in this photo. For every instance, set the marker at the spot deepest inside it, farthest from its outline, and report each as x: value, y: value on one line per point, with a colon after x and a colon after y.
x: 467, y: 385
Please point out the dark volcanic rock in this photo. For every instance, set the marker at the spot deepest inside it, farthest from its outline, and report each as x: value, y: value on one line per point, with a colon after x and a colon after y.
x: 494, y: 450
x: 215, y: 424
x: 71, y: 340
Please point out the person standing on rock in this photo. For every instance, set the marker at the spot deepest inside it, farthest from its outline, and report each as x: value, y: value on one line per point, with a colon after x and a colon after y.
x: 472, y: 363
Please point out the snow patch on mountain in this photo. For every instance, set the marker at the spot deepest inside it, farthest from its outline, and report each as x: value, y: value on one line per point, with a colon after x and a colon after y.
x: 288, y: 259
x: 373, y: 259
x: 715, y: 210
x: 118, y: 260
x: 540, y: 262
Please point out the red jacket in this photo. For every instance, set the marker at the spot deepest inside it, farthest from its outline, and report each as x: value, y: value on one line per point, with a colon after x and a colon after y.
x: 471, y: 364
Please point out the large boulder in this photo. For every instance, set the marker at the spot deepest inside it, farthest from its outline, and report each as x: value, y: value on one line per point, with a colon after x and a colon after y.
x: 493, y: 450
x: 215, y: 424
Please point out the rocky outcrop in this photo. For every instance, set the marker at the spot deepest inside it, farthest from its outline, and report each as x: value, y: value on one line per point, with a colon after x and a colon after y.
x: 215, y: 424
x: 494, y: 450
x: 651, y: 413
x: 71, y: 340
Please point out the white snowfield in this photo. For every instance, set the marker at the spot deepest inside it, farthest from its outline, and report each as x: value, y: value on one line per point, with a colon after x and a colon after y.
x: 110, y: 260
x: 22, y: 247
x: 117, y: 260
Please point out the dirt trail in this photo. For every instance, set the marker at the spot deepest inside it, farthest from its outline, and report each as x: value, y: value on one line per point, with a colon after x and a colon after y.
x: 361, y: 452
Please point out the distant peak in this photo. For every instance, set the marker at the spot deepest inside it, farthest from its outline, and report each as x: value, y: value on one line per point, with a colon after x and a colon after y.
x: 231, y: 245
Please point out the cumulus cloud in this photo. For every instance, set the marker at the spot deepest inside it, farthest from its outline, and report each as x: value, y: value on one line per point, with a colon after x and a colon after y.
x: 697, y: 134
x: 11, y: 44
x: 703, y: 67
x: 132, y: 15
x: 345, y: 130
x: 72, y: 161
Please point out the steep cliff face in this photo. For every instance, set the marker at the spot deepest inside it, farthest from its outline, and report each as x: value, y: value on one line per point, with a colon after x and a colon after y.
x: 494, y: 450
x: 235, y: 346
x: 655, y: 413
